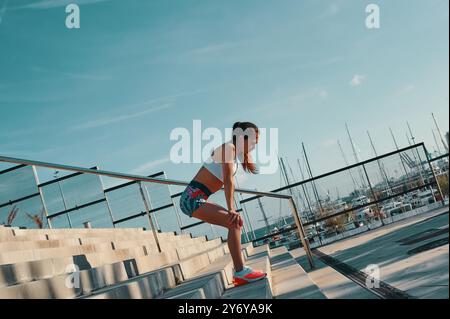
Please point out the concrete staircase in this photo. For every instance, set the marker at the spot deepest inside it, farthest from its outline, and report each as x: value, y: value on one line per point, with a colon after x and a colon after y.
x: 125, y: 263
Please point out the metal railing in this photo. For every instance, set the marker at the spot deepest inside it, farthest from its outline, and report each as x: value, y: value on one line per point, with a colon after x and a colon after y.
x: 429, y: 181
x: 140, y: 179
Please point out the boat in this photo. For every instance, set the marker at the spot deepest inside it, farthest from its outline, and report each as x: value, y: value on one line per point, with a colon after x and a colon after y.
x: 421, y: 198
x: 394, y: 208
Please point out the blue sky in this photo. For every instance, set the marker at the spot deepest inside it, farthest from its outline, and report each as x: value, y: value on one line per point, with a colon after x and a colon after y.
x: 110, y: 93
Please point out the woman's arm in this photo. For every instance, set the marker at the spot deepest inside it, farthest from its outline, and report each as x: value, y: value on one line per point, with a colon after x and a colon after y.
x: 227, y: 173
x: 228, y: 183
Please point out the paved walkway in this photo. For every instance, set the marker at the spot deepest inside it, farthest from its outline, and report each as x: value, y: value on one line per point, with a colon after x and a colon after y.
x: 412, y: 255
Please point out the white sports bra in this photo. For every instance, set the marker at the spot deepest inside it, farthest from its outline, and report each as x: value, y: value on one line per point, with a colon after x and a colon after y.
x: 216, y: 168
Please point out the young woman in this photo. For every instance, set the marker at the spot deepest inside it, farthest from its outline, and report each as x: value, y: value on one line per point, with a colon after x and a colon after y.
x: 218, y: 171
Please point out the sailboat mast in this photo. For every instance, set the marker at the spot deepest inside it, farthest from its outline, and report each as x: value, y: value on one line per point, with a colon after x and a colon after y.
x: 402, y: 160
x: 298, y: 195
x: 316, y: 194
x: 440, y: 134
x: 351, y: 143
x: 418, y: 155
x: 283, y: 169
x: 355, y: 185
x: 305, y: 192
x: 380, y: 165
x: 286, y: 177
x: 393, y: 137
x: 437, y: 144
x: 356, y: 156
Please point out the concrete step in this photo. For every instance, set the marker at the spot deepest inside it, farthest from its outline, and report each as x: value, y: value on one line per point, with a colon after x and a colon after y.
x: 139, y: 287
x: 164, y: 245
x: 8, y: 246
x: 289, y: 279
x: 147, y: 286
x: 116, y: 265
x: 222, y: 265
x: 190, y: 266
x: 85, y: 231
x: 286, y: 280
x: 67, y: 285
x: 11, y: 274
x: 33, y: 270
x: 18, y: 231
x: 12, y: 238
x: 71, y: 241
x: 46, y: 234
x: 45, y: 253
x: 113, y: 236
x: 190, y: 249
x: 144, y: 264
x: 6, y: 233
x: 93, y: 238
x: 261, y: 289
x: 210, y: 281
x: 96, y: 279
x: 206, y: 287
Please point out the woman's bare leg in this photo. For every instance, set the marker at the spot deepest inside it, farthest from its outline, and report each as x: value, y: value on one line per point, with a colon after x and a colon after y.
x: 217, y: 215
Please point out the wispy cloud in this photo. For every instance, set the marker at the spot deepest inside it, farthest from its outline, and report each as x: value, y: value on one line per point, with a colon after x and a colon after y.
x: 160, y: 103
x: 357, y: 80
x: 212, y: 48
x: 146, y: 167
x: 119, y: 118
x: 406, y: 89
x: 323, y: 94
x: 49, y: 4
x: 298, y: 98
x: 30, y: 99
x: 72, y: 75
x: 332, y: 10
x: 317, y: 63
x: 329, y: 143
x: 3, y: 10
x: 26, y: 153
x: 8, y: 134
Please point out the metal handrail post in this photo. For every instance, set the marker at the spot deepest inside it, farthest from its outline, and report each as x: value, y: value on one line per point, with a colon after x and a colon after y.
x: 147, y: 209
x: 301, y: 231
x: 373, y: 193
x: 435, y: 178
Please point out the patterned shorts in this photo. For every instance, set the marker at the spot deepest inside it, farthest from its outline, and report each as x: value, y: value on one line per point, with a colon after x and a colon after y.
x: 194, y: 196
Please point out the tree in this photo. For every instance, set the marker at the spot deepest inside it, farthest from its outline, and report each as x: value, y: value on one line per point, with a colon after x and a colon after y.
x: 38, y: 220
x: 443, y: 183
x: 11, y: 216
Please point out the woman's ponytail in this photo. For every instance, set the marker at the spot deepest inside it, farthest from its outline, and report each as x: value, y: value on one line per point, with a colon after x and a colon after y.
x: 247, y: 164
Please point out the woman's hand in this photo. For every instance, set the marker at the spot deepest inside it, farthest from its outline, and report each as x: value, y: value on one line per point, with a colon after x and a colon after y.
x: 234, y: 219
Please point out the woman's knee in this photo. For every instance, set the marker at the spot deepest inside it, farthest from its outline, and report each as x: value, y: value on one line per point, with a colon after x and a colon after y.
x: 241, y: 222
x: 235, y: 227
